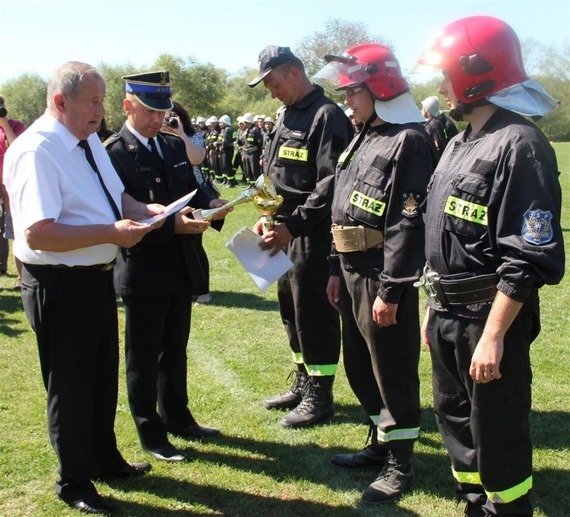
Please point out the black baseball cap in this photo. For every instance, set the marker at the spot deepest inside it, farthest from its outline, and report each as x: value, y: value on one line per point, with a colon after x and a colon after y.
x: 269, y: 58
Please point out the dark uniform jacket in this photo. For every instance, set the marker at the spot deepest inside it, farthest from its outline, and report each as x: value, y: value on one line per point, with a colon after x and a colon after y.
x: 435, y: 128
x: 450, y: 127
x: 494, y: 206
x: 301, y: 157
x: 162, y: 262
x: 252, y: 140
x: 381, y: 186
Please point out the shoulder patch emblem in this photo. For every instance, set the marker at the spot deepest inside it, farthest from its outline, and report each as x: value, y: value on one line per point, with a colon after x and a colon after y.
x: 411, y: 204
x: 537, y: 227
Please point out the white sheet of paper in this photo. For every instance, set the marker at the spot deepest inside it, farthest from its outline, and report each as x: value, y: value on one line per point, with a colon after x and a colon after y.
x: 172, y: 208
x: 263, y: 269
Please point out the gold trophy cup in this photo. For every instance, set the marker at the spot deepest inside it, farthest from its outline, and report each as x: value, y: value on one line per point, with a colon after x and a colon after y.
x: 263, y: 195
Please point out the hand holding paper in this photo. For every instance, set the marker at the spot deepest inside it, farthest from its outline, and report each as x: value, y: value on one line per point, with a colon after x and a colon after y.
x: 172, y: 208
x: 263, y: 268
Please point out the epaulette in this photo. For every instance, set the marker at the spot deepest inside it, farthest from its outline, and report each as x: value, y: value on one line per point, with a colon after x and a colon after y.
x: 113, y: 138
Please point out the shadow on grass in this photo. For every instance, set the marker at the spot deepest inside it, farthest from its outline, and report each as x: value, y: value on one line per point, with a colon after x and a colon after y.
x: 223, y: 501
x: 231, y: 300
x: 546, y: 429
x: 10, y: 303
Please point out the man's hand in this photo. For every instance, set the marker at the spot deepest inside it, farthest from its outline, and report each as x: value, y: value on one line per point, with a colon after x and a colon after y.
x: 486, y: 360
x: 275, y: 239
x: 333, y: 291
x: 218, y: 203
x: 488, y: 353
x: 384, y: 313
x: 128, y: 233
x: 186, y: 225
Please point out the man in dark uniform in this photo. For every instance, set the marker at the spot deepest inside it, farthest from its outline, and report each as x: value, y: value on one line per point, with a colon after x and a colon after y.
x: 433, y: 126
x: 493, y: 217
x: 311, y: 131
x: 155, y: 278
x: 438, y: 126
x: 212, y: 147
x: 251, y: 148
x: 378, y: 235
x: 226, y: 139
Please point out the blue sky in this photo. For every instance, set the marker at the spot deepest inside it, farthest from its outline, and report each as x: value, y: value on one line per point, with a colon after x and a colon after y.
x: 39, y: 35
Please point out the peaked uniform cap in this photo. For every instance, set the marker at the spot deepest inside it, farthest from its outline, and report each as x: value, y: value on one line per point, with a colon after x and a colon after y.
x: 152, y: 89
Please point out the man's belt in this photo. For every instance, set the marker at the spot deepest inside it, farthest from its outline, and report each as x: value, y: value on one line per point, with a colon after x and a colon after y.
x: 95, y: 267
x: 356, y: 238
x: 460, y: 289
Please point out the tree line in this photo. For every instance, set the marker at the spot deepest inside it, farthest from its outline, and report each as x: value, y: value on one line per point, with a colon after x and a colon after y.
x: 206, y: 90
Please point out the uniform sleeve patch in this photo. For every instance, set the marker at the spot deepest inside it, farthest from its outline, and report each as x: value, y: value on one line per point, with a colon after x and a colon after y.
x: 411, y: 204
x: 537, y: 227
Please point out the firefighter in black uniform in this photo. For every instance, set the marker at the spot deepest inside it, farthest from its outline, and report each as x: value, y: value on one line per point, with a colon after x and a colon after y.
x: 251, y: 149
x: 155, y: 277
x: 438, y: 126
x: 310, y: 133
x: 226, y: 139
x: 211, y: 160
x: 433, y: 126
x: 493, y: 217
x: 378, y: 235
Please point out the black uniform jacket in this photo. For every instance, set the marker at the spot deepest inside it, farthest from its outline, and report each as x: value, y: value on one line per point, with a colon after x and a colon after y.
x: 494, y: 206
x: 162, y: 262
x: 381, y: 185
x: 301, y: 157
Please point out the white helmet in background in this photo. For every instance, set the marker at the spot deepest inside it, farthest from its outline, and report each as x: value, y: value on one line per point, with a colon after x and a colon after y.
x: 248, y: 117
x: 269, y: 119
x: 226, y: 120
x: 201, y: 119
x: 213, y: 119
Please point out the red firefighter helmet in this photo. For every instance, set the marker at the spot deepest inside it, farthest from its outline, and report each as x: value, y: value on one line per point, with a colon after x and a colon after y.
x: 367, y: 63
x: 481, y: 55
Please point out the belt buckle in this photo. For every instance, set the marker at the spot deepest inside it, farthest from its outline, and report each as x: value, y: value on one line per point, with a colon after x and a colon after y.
x: 431, y: 286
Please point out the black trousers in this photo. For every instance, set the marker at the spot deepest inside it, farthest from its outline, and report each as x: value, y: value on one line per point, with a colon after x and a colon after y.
x: 311, y: 323
x: 485, y: 427
x: 74, y: 315
x: 250, y: 165
x: 4, y: 243
x: 156, y: 336
x: 381, y: 363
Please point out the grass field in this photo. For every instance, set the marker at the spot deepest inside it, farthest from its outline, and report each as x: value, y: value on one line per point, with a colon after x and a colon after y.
x: 238, y: 355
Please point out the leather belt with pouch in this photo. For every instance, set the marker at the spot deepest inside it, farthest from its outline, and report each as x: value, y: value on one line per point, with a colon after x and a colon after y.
x: 348, y: 239
x: 460, y: 289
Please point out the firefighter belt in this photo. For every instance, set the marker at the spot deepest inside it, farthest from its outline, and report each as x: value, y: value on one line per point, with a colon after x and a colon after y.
x: 459, y: 289
x: 356, y: 238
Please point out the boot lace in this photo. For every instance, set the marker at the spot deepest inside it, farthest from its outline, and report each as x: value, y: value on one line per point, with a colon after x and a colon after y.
x: 309, y: 400
x: 297, y: 381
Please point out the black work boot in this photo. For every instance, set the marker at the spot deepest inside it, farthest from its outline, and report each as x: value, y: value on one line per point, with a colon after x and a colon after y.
x: 316, y: 406
x: 293, y: 396
x: 372, y: 456
x: 394, y: 479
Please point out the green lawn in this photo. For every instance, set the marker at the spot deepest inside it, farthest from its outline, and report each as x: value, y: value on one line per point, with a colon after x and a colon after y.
x: 238, y: 355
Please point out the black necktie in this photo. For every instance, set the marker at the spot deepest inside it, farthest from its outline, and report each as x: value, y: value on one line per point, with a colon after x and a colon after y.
x: 89, y: 155
x: 153, y: 148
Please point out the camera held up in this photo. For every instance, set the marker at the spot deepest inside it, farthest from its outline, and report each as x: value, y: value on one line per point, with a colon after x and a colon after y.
x: 171, y: 121
x: 3, y: 111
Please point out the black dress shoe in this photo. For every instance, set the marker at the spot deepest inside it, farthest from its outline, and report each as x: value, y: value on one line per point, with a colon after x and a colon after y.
x: 132, y: 470
x: 195, y: 431
x: 167, y: 453
x: 93, y: 504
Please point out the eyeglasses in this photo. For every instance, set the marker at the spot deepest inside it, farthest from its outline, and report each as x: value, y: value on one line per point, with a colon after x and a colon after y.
x: 350, y: 92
